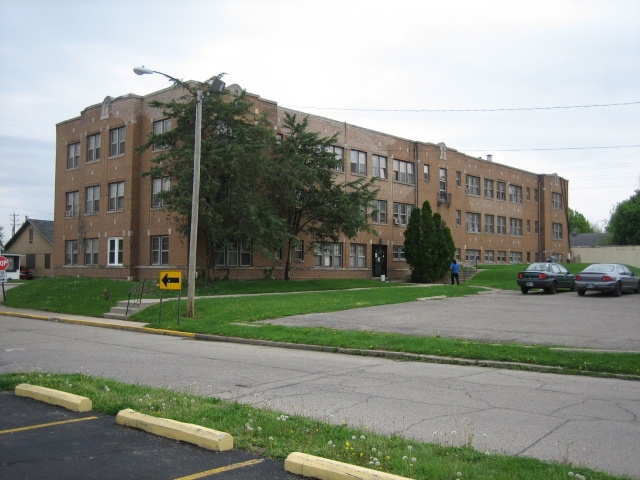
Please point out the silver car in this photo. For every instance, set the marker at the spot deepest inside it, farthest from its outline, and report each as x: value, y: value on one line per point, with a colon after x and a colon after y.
x: 607, y: 277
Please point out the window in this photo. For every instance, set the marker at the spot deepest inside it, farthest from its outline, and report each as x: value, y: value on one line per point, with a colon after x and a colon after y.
x: 73, y: 159
x: 458, y: 179
x: 73, y: 207
x: 502, y: 256
x: 515, y: 194
x: 473, y: 185
x: 425, y: 173
x: 357, y: 255
x: 528, y: 226
x: 398, y: 253
x: 515, y: 257
x: 298, y: 252
x: 339, y: 153
x: 501, y: 226
x: 160, y: 250
x: 457, y: 254
x: 556, y: 201
x: 535, y: 195
x: 557, y: 231
x: 403, y: 172
x: 515, y: 226
x: 31, y: 237
x: 488, y: 189
x: 473, y: 222
x: 358, y: 162
x: 535, y: 226
x: 71, y: 252
x: 488, y: 256
x: 379, y: 213
x: 234, y: 254
x: 159, y: 185
x: 116, y: 196
x: 91, y: 251
x: 442, y: 194
x: 92, y: 200
x: 93, y: 148
x: 116, y: 141
x: 379, y: 166
x: 115, y: 247
x: 159, y: 128
x: 473, y: 255
x: 458, y: 218
x: 528, y: 194
x: 501, y: 191
x: 401, y: 213
x: 489, y: 225
x: 328, y: 254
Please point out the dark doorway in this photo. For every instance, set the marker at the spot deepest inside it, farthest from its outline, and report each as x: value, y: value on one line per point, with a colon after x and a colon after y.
x: 379, y: 260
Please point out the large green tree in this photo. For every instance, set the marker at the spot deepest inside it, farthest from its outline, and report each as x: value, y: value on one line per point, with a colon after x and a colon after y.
x: 624, y: 224
x: 301, y: 185
x: 578, y: 223
x: 235, y: 154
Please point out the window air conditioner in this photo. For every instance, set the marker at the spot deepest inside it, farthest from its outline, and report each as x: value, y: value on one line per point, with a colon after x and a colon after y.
x: 396, y: 221
x: 69, y: 213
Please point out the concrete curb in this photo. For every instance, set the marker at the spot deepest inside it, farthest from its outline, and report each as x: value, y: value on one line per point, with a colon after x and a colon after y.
x: 325, y: 469
x: 184, y: 432
x: 55, y: 397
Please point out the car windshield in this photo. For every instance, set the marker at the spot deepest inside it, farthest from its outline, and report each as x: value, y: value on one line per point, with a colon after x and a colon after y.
x: 600, y: 268
x: 538, y: 267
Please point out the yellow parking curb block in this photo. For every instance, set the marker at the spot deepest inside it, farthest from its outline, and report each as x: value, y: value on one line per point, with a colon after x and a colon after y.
x: 325, y: 469
x: 184, y: 432
x: 55, y: 397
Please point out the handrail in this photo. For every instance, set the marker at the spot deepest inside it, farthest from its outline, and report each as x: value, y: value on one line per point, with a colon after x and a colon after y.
x: 137, y: 292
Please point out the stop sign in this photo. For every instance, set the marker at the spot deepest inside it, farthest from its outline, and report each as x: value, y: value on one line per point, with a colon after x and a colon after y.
x: 4, y: 263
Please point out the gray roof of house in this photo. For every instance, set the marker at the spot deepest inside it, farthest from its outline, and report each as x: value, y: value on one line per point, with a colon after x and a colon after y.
x: 587, y: 239
x: 44, y: 227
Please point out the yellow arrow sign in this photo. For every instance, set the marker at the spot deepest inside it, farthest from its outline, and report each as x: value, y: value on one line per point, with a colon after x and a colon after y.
x: 171, y: 280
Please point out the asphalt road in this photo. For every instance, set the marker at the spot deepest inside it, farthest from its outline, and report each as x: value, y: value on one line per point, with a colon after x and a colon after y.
x: 588, y: 421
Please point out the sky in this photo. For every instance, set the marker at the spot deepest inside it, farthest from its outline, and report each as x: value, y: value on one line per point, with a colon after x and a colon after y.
x: 547, y: 86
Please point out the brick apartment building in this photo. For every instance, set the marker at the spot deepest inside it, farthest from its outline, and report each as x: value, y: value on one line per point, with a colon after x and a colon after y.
x: 109, y: 223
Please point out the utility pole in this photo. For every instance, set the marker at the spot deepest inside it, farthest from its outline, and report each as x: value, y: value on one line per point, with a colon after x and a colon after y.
x: 13, y: 218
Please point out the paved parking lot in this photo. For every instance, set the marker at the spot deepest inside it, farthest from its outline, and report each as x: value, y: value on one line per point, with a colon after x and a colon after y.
x: 38, y: 440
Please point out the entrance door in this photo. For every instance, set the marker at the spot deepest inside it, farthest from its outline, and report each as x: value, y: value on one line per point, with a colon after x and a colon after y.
x: 379, y: 260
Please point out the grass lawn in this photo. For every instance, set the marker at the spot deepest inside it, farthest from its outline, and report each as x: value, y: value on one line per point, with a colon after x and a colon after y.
x: 236, y: 317
x: 275, y: 435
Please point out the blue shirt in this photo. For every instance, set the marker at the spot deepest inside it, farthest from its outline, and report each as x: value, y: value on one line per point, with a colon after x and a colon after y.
x: 455, y: 267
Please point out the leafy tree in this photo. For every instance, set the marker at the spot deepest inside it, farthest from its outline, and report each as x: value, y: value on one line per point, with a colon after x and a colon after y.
x: 428, y: 246
x: 234, y: 156
x: 624, y: 224
x: 301, y: 186
x: 579, y: 224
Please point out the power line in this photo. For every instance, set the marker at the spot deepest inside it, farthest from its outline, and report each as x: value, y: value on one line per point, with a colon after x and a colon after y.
x: 546, y: 149
x: 445, y: 110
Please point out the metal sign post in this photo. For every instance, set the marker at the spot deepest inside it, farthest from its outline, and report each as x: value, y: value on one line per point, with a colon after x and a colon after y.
x: 171, y: 280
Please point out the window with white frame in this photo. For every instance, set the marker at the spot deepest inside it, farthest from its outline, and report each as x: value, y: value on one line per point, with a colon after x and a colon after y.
x: 426, y: 176
x: 501, y: 191
x: 73, y: 157
x: 515, y: 257
x: 93, y: 148
x: 528, y: 193
x: 91, y: 251
x: 403, y: 172
x: 488, y: 256
x: 473, y: 185
x: 298, y: 252
x: 443, y: 183
x: 72, y: 204
x: 502, y: 256
x: 233, y: 255
x: 71, y: 252
x: 379, y: 211
x: 458, y: 218
x: 515, y: 226
x: 358, y: 162
x: 458, y: 179
x: 557, y: 231
x: 116, y: 196
x: 328, y: 255
x: 515, y: 194
x: 501, y: 225
x: 379, y: 166
x: 473, y: 222
x: 398, y: 253
x: 160, y: 250
x: 401, y: 213
x: 357, y: 255
x: 116, y: 141
x: 556, y: 201
x: 489, y: 224
x: 92, y: 200
x: 160, y: 128
x: 339, y: 153
x: 115, y: 249
x: 528, y: 226
x: 473, y: 255
x: 488, y: 189
x: 159, y: 185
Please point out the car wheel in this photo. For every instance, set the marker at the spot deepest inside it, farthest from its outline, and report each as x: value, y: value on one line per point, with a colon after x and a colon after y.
x: 553, y: 288
x: 617, y: 290
x: 581, y: 293
x: 524, y: 290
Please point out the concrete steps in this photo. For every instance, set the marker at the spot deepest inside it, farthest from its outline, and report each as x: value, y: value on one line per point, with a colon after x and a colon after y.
x: 120, y: 312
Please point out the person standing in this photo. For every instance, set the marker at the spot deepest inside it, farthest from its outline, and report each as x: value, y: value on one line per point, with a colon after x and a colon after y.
x: 454, y: 272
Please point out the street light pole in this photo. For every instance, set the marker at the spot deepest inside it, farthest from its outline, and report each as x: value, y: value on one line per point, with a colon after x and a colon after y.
x: 195, y: 197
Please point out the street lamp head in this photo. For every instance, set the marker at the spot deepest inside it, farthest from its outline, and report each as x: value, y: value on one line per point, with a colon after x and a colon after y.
x: 142, y: 70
